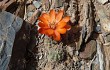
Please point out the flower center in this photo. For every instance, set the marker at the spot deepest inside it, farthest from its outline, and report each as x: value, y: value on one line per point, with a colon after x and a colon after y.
x: 52, y: 25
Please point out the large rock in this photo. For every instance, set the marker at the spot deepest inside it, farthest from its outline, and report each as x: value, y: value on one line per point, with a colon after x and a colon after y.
x: 9, y: 25
x: 89, y: 50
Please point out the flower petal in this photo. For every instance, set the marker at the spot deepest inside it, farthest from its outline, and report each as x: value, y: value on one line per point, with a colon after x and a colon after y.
x: 52, y: 16
x: 61, y: 24
x: 61, y: 31
x: 59, y: 16
x: 50, y: 32
x: 46, y: 16
x: 46, y: 31
x: 68, y: 27
x: 42, y: 24
x: 42, y: 31
x: 43, y: 20
x: 56, y: 36
x: 66, y: 19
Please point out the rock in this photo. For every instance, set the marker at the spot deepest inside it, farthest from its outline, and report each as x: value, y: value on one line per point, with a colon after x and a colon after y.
x: 24, y: 43
x: 72, y: 10
x: 89, y: 50
x: 37, y: 4
x: 104, y: 20
x: 9, y: 25
x: 97, y: 27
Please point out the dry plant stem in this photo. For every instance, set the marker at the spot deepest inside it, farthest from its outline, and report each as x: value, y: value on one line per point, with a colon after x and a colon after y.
x: 91, y: 62
x: 105, y: 43
x: 101, y: 38
x: 52, y: 4
x: 1, y: 47
x: 44, y: 6
x: 25, y: 13
x: 8, y: 3
x: 100, y: 55
x: 32, y: 19
x: 2, y: 3
x: 17, y: 11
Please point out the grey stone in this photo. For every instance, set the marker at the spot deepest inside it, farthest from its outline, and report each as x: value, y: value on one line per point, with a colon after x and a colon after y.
x: 9, y: 25
x: 37, y: 4
x: 89, y: 50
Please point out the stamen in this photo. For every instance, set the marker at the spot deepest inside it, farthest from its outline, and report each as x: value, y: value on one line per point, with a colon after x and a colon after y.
x: 52, y: 25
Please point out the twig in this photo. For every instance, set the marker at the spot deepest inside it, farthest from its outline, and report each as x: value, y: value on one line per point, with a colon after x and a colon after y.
x: 91, y: 62
x: 7, y: 4
x: 25, y: 13
x: 52, y: 4
x: 2, y: 3
x: 100, y: 55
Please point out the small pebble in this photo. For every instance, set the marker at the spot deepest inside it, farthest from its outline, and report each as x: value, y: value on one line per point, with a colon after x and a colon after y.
x: 98, y: 29
x: 37, y: 4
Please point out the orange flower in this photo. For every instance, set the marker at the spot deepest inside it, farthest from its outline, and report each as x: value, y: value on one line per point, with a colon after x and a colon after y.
x: 53, y: 24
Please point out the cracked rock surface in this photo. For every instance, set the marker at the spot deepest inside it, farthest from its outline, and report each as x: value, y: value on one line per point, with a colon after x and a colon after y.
x: 9, y: 26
